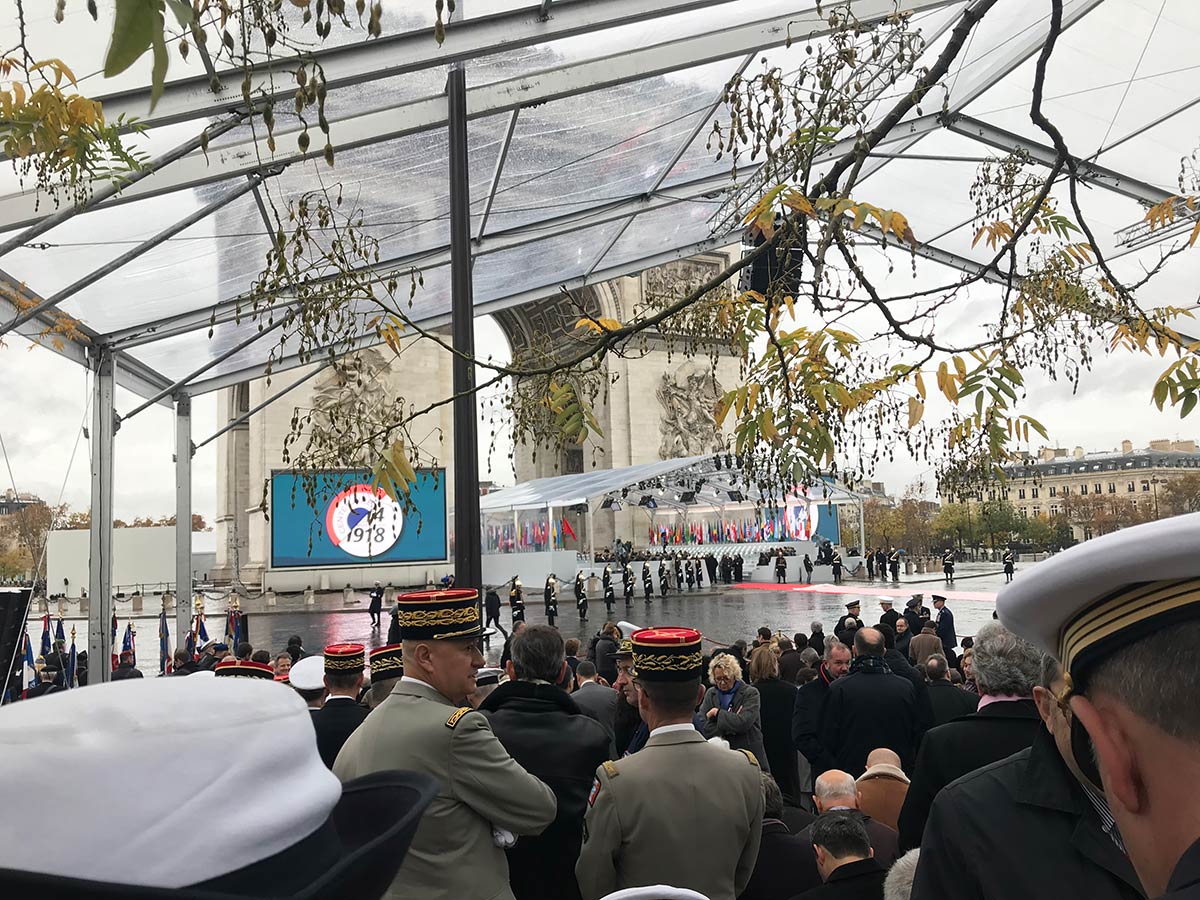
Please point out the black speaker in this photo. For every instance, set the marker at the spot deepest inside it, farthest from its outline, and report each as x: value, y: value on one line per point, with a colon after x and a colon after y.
x: 14, y: 608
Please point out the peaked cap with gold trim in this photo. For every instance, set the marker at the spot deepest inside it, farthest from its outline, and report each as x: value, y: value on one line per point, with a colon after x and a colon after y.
x: 1106, y: 593
x: 243, y: 668
x: 387, y: 662
x: 449, y: 615
x: 345, y: 659
x: 667, y: 654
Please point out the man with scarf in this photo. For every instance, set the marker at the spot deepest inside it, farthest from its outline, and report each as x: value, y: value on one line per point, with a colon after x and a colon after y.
x: 869, y: 708
x: 806, y: 716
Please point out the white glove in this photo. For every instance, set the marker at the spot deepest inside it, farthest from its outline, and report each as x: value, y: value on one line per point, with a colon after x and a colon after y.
x: 503, y: 838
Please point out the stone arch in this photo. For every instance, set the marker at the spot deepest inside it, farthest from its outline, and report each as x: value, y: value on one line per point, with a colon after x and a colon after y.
x: 556, y: 315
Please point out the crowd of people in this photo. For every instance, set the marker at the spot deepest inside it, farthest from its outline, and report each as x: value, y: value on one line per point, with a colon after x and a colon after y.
x: 1047, y: 755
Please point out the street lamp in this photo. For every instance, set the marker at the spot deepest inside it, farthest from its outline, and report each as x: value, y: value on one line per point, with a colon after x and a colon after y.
x: 1154, y: 482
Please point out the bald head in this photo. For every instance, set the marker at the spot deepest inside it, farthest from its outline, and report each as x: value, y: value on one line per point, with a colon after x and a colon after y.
x: 883, y: 757
x: 834, y: 789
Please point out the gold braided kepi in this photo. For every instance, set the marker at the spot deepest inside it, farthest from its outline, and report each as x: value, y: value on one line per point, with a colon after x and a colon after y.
x: 667, y: 654
x: 450, y: 615
x: 344, y: 659
x: 243, y: 668
x: 387, y: 662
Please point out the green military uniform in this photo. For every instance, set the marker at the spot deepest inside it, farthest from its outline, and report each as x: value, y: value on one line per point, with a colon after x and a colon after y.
x: 680, y: 812
x: 454, y: 854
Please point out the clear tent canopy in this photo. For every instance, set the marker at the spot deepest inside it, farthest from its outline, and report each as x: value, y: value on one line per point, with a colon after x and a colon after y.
x: 588, y: 125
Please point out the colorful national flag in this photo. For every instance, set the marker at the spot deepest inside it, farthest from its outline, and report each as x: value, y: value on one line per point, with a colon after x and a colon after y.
x: 29, y: 675
x: 567, y: 529
x: 59, y: 634
x: 45, y: 635
x: 129, y: 642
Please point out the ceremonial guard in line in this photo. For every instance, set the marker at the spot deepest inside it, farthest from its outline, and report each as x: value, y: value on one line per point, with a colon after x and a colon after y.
x: 647, y: 581
x: 948, y: 565
x: 627, y: 584
x: 837, y: 566
x: 609, y: 596
x: 1010, y: 560
x: 894, y: 564
x: 698, y: 563
x: 580, y: 596
x: 881, y: 561
x: 662, y: 577
x: 375, y: 608
x: 485, y: 798
x: 679, y: 574
x: 634, y: 833
x: 516, y: 600
x: 870, y: 554
x: 336, y: 720
x: 550, y: 597
x: 688, y: 575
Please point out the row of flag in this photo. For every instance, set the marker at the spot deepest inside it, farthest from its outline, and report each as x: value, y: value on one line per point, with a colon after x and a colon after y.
x: 791, y: 525
x: 197, y: 636
x: 529, y: 536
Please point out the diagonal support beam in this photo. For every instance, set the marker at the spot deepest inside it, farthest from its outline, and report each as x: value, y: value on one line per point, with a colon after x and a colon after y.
x: 428, y: 113
x: 500, y: 161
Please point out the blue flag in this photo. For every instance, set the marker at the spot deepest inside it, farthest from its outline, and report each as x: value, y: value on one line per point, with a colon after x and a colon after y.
x: 45, y: 635
x: 30, y: 674
x: 69, y: 678
x: 128, y: 643
x: 164, y: 645
x: 201, y: 631
x: 58, y: 631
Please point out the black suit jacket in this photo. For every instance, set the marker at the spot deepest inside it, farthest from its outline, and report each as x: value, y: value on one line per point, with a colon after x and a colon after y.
x: 950, y: 751
x: 868, y: 709
x: 884, y: 841
x: 806, y: 722
x: 334, y: 723
x: 778, y: 703
x: 950, y: 702
x: 777, y: 856
x: 1052, y: 844
x: 862, y: 880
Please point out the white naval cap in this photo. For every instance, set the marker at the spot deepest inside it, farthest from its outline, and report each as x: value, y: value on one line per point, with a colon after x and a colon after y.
x: 654, y: 892
x: 308, y: 674
x: 129, y: 752
x: 1081, y: 604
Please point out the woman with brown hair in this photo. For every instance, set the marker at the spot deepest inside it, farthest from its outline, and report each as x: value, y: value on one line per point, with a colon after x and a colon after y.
x: 777, y: 699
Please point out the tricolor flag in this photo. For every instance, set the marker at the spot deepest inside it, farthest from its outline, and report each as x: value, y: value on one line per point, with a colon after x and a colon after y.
x: 59, y: 635
x: 29, y: 674
x: 129, y: 642
x: 45, y: 635
x: 113, y: 642
x: 164, y: 645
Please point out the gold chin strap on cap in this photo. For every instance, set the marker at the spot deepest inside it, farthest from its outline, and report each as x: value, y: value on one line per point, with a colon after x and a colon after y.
x: 1121, y: 610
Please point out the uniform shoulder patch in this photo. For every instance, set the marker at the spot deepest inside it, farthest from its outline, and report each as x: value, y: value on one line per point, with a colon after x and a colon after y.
x: 750, y: 756
x: 610, y: 769
x: 456, y: 715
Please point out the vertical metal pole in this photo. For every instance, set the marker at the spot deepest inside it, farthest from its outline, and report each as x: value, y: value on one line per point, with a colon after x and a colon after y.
x: 467, y: 563
x: 862, y: 528
x: 183, y: 518
x: 104, y: 429
x: 591, y: 538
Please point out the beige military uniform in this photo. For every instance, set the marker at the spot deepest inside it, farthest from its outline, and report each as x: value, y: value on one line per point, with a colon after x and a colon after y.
x: 680, y: 812
x: 453, y: 855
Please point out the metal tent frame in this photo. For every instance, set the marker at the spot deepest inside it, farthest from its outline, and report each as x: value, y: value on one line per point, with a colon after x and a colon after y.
x: 657, y: 39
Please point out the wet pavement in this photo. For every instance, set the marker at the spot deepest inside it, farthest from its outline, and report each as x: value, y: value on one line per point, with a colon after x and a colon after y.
x: 723, y: 614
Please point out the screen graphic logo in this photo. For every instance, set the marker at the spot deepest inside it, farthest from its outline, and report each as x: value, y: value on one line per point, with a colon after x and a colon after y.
x: 364, y: 521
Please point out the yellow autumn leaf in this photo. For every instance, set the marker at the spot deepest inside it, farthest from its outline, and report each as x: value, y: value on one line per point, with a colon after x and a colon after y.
x: 916, y: 409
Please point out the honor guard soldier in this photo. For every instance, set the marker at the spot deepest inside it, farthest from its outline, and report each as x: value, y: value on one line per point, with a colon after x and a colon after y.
x: 894, y: 564
x: 606, y: 579
x: 837, y: 566
x: 609, y: 596
x: 870, y: 564
x: 516, y: 600
x: 550, y: 598
x: 662, y: 577
x: 341, y: 714
x: 1010, y: 560
x: 780, y: 569
x: 881, y: 559
x: 485, y: 797
x: 948, y: 565
x: 627, y: 584
x: 680, y: 811
x: 580, y: 596
x: 698, y: 564
x: 647, y: 581
x: 678, y: 574
x: 688, y: 575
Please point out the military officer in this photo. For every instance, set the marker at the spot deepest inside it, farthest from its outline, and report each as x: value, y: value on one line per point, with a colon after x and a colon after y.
x: 647, y: 581
x: 689, y: 576
x: 387, y: 665
x: 699, y: 565
x: 609, y: 597
x: 662, y: 577
x: 516, y: 601
x: 606, y: 578
x: 550, y: 598
x: 485, y: 797
x: 853, y: 610
x: 870, y: 564
x: 341, y: 714
x: 888, y: 616
x: 580, y: 596
x: 678, y: 573
x: 948, y: 565
x: 680, y: 811
x: 894, y: 563
x: 627, y: 584
x: 837, y: 566
x: 1010, y: 560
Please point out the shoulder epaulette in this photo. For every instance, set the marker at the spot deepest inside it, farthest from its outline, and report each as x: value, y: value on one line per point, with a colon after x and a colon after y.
x: 750, y: 756
x: 610, y: 769
x: 456, y: 715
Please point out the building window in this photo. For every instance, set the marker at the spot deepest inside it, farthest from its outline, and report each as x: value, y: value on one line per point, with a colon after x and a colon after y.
x: 1024, y: 512
x: 1145, y: 487
x: 1112, y: 487
x: 1097, y: 489
x: 1054, y: 509
x: 1130, y: 488
x: 1033, y: 493
x: 1082, y: 490
x: 572, y: 463
x: 1021, y: 494
x: 1053, y: 491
